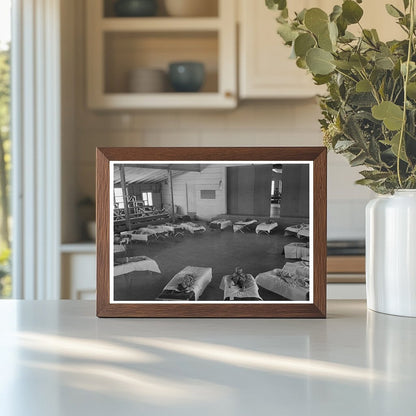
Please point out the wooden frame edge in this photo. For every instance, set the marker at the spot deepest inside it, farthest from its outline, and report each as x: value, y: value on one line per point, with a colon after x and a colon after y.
x: 317, y: 309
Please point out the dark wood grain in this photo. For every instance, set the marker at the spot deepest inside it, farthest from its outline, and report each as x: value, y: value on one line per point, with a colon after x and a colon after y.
x: 317, y: 309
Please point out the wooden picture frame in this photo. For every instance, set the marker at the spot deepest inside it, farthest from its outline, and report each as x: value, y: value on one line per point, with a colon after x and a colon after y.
x: 110, y: 159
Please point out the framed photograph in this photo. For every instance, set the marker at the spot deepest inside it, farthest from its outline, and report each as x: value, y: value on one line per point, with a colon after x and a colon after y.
x: 211, y: 232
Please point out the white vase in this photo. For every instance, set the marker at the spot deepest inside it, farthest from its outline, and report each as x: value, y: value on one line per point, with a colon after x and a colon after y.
x: 391, y: 253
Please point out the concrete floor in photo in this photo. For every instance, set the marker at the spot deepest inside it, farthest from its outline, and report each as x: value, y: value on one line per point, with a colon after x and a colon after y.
x: 220, y: 250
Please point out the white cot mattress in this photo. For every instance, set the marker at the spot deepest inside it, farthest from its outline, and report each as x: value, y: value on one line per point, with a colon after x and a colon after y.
x: 290, y: 282
x: 220, y: 224
x: 266, y: 227
x: 142, y: 263
x: 192, y: 227
x: 300, y: 230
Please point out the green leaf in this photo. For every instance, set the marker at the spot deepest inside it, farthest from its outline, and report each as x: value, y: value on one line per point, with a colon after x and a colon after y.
x: 384, y: 62
x: 358, y: 160
x: 358, y: 61
x: 353, y: 131
x: 368, y: 36
x: 362, y: 99
x: 301, y: 15
x: 301, y: 63
x: 374, y: 175
x: 344, y: 65
x: 393, y: 11
x: 374, y: 150
x: 394, y: 145
x: 412, y: 67
x: 343, y: 145
x: 316, y: 20
x: 342, y: 25
x: 363, y: 86
x: 375, y: 35
x: 365, y: 182
x: 276, y: 4
x: 382, y: 89
x: 411, y: 90
x: 388, y: 112
x: 347, y: 37
x: 333, y: 32
x: 321, y: 79
x: 351, y: 11
x: 303, y: 43
x: 319, y: 61
x: 325, y: 42
x: 336, y: 12
x: 406, y: 4
x: 287, y: 33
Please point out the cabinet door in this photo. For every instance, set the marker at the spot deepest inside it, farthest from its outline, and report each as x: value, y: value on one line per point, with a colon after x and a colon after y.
x: 265, y: 68
x: 78, y: 276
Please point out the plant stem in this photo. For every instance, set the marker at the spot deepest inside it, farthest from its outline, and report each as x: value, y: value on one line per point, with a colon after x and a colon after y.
x: 346, y: 75
x: 406, y: 80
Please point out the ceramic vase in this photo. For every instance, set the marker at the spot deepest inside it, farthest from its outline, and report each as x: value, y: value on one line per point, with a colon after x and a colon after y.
x: 391, y: 253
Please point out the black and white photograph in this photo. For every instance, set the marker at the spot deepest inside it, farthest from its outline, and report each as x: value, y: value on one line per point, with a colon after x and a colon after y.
x: 211, y: 232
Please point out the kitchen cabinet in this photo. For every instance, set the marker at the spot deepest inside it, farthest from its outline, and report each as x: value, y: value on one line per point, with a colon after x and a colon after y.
x: 78, y: 263
x: 118, y: 45
x: 265, y: 70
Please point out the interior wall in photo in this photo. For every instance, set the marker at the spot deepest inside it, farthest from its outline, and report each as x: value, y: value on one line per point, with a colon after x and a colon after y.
x: 198, y: 193
x: 249, y: 190
x: 295, y: 191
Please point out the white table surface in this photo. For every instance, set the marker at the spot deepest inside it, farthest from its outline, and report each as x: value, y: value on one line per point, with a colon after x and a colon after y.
x: 57, y: 358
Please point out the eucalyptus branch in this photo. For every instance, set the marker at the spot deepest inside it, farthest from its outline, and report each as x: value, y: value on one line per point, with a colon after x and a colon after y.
x: 406, y: 80
x: 373, y: 88
x: 392, y: 90
x: 346, y: 75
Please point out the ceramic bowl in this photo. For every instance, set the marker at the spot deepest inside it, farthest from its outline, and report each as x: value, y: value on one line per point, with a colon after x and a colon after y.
x: 147, y: 80
x: 135, y: 8
x: 186, y: 76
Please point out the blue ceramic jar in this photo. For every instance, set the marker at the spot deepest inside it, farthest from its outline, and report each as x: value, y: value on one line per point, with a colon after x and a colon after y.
x: 135, y: 8
x: 186, y: 76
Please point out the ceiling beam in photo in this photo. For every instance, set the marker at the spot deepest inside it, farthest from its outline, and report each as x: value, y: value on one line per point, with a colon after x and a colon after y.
x: 147, y: 173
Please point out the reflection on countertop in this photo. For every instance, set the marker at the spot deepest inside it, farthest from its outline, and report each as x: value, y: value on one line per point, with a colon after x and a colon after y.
x: 355, y: 362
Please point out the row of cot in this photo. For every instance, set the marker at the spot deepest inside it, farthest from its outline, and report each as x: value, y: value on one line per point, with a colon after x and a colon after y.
x: 300, y: 230
x: 291, y: 282
x: 177, y: 230
x: 156, y: 232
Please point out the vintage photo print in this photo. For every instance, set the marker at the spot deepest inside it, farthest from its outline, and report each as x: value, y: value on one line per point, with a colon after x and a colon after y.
x: 219, y: 232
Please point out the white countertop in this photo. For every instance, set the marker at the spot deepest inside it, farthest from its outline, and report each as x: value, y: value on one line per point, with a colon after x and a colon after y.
x: 57, y: 358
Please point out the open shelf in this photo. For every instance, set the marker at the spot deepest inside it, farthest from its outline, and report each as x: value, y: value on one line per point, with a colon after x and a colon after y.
x: 211, y: 9
x: 160, y: 24
x: 167, y: 100
x: 80, y: 247
x: 119, y: 45
x: 126, y: 51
